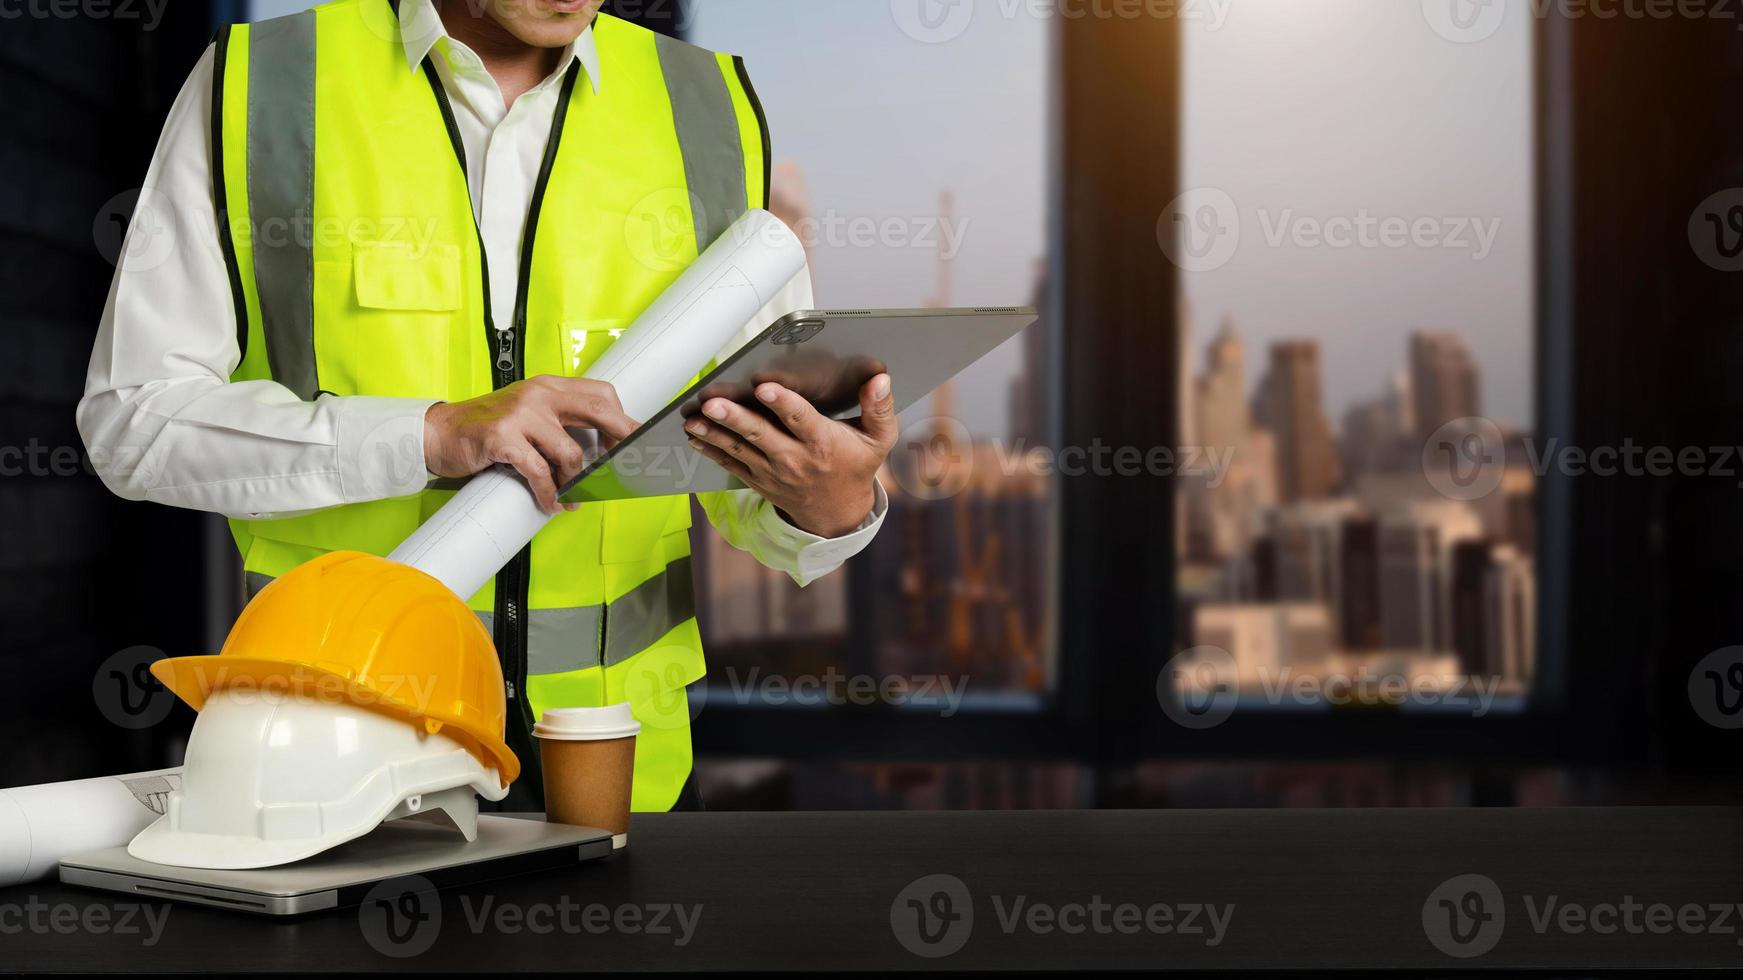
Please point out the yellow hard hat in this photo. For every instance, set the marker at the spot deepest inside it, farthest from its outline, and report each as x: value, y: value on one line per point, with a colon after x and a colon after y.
x: 369, y: 631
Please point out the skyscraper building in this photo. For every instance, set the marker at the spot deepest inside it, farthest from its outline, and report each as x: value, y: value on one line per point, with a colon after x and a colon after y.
x: 1417, y: 541
x: 1511, y: 597
x: 1289, y: 403
x: 1309, y: 541
x: 1264, y: 641
x: 1443, y: 380
x: 1379, y: 436
x: 1494, y: 611
x: 1222, y: 507
x: 1359, y: 616
x: 1223, y: 415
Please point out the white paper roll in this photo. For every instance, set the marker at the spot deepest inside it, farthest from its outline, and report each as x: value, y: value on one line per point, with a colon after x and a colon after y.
x: 494, y: 516
x: 39, y: 825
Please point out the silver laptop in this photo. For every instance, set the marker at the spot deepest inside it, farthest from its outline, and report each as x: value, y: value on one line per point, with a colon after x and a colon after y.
x: 506, y: 845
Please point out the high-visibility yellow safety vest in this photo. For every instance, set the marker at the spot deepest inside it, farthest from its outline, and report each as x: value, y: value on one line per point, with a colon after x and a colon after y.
x: 357, y: 269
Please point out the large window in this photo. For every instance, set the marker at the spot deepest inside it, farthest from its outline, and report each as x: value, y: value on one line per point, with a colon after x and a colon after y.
x: 911, y: 157
x: 1355, y: 245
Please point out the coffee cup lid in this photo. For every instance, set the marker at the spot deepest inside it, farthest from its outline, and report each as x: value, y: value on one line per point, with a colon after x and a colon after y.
x: 587, y: 724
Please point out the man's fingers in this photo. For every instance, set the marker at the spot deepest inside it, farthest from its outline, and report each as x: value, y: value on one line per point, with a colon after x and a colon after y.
x: 733, y: 445
x: 561, y: 451
x: 593, y: 404
x: 877, y: 411
x: 532, y: 467
x: 796, y: 414
x: 611, y: 423
x: 753, y: 427
x: 722, y: 460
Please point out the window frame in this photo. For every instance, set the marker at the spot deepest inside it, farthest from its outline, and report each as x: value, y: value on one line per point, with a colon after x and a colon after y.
x: 1107, y: 182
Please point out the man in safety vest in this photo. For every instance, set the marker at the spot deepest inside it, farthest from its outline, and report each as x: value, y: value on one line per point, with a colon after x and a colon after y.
x: 384, y: 229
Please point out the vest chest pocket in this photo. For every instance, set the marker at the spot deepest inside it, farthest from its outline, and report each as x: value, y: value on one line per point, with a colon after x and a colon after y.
x: 633, y: 529
x: 583, y: 341
x: 395, y: 340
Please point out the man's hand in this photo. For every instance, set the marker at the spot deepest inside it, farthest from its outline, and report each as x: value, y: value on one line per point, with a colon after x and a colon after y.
x: 523, y: 425
x: 818, y: 471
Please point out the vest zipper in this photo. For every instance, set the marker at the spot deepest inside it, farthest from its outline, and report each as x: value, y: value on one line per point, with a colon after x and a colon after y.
x: 513, y: 582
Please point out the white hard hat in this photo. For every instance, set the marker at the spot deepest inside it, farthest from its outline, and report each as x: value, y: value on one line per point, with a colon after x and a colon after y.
x: 272, y: 778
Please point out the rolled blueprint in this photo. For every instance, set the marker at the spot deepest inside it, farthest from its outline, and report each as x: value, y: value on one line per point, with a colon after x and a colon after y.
x: 494, y: 516
x: 39, y: 825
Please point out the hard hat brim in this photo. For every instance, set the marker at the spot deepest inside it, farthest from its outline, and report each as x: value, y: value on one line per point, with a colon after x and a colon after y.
x: 193, y: 679
x: 159, y: 844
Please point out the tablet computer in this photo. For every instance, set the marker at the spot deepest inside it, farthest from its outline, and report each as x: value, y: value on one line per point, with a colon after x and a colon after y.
x: 824, y: 355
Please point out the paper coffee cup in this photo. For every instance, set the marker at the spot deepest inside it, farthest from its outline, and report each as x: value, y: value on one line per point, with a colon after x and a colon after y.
x: 588, y: 759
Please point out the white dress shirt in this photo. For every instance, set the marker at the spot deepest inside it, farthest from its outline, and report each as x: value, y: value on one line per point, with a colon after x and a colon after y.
x: 161, y: 418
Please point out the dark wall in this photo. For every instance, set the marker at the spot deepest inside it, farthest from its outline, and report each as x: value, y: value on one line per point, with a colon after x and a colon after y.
x: 82, y: 575
x: 1653, y: 332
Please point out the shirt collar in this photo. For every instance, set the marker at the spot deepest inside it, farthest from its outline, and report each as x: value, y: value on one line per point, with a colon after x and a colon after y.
x: 421, y: 29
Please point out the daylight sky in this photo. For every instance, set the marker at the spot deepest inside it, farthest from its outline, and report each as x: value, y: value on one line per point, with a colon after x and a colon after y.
x: 1294, y: 109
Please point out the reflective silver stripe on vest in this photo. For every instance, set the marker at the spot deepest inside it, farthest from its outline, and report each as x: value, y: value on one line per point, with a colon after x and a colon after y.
x: 281, y: 193
x: 649, y: 611
x: 707, y: 135
x: 558, y: 640
x: 561, y: 640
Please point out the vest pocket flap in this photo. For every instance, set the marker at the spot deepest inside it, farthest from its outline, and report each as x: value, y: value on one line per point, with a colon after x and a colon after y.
x: 399, y: 276
x: 633, y: 528
x: 584, y: 340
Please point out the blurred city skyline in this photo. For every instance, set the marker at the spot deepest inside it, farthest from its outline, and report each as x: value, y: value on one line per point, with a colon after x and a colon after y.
x: 1319, y: 554
x: 1352, y: 356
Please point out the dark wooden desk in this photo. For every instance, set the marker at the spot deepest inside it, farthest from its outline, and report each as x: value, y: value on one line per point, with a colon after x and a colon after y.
x: 1577, y: 889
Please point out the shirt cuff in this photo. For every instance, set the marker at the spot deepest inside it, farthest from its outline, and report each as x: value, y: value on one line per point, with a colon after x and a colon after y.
x: 380, y: 447
x: 814, y: 556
